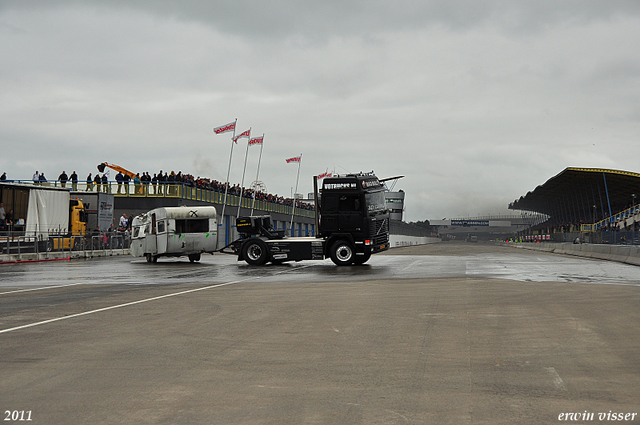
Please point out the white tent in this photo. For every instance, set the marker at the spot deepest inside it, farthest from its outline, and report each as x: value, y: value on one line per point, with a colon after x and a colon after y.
x: 47, y: 213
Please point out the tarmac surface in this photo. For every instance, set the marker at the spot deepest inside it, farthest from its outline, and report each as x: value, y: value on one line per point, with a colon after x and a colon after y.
x: 448, y: 333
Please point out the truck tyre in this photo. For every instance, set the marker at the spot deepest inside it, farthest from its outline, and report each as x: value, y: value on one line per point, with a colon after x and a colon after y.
x: 361, y: 259
x: 255, y: 252
x: 342, y: 253
x: 194, y: 257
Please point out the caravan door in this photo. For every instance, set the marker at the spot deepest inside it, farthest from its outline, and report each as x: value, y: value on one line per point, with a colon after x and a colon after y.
x: 151, y: 237
x: 161, y: 236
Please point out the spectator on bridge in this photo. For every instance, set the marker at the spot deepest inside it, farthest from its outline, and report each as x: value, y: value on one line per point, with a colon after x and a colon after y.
x: 145, y: 179
x: 126, y: 179
x: 154, y: 182
x: 136, y: 184
x: 3, y: 177
x: 74, y: 181
x: 171, y: 178
x: 105, y: 183
x: 63, y: 178
x: 119, y: 180
x: 161, y: 181
x: 98, y: 181
x: 89, y: 183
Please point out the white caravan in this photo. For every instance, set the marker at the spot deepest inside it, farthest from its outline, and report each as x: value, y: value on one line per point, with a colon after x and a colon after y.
x: 174, y: 232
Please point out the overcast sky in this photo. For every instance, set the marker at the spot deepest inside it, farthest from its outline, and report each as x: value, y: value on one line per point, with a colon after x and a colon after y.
x: 474, y: 102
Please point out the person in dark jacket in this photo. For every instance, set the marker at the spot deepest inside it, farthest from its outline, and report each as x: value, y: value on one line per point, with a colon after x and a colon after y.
x: 74, y: 181
x: 97, y: 180
x: 63, y: 178
x: 119, y: 179
x: 105, y: 183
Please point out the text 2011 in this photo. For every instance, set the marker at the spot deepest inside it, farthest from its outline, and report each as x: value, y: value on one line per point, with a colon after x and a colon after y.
x: 17, y: 415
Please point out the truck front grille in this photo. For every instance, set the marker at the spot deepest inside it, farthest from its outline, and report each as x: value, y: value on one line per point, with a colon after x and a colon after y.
x: 380, y: 231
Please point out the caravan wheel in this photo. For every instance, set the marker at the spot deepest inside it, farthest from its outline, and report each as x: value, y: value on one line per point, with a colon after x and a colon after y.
x: 151, y: 258
x: 194, y: 257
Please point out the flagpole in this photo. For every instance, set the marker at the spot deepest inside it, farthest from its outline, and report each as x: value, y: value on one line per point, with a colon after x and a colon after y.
x: 293, y: 210
x: 226, y: 186
x: 243, y: 172
x: 257, y: 173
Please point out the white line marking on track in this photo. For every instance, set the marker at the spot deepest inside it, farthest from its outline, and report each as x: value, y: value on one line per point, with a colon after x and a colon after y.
x: 99, y: 310
x: 40, y: 288
x: 410, y: 266
x: 557, y: 380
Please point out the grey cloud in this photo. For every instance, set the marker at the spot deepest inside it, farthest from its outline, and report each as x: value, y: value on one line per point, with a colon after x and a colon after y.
x: 324, y: 18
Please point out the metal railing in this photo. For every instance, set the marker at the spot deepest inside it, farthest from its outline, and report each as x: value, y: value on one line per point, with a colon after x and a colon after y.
x: 19, y: 243
x: 610, y: 221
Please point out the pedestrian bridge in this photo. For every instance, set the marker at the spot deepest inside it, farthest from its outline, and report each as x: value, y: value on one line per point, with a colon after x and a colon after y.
x: 176, y: 192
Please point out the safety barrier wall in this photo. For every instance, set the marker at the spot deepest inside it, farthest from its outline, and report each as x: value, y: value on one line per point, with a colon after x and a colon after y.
x: 396, y: 241
x: 629, y: 254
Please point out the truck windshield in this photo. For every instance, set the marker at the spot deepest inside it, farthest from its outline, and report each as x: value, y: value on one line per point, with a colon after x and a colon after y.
x: 375, y: 201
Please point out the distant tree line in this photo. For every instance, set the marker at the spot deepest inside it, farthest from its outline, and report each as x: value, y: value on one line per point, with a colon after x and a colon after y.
x: 424, y: 224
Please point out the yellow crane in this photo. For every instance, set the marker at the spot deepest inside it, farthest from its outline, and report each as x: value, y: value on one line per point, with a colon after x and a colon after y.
x: 103, y: 165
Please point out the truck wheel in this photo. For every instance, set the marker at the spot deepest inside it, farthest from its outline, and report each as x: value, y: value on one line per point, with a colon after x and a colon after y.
x: 255, y: 252
x: 361, y: 259
x: 194, y: 257
x: 342, y: 253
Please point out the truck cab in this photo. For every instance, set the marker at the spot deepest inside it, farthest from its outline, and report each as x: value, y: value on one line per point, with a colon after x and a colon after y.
x: 352, y: 208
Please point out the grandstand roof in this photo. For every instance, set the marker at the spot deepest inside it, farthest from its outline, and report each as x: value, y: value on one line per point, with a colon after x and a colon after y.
x: 572, y: 194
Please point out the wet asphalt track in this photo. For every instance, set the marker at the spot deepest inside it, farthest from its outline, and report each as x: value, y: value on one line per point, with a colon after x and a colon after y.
x: 496, y: 262
x: 436, y: 334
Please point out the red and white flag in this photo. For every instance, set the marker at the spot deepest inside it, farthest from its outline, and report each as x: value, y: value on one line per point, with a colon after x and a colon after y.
x: 246, y: 134
x: 323, y: 175
x: 256, y: 140
x: 294, y: 159
x: 225, y: 128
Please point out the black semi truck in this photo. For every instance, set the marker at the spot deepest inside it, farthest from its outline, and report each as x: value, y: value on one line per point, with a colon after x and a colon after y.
x: 352, y: 223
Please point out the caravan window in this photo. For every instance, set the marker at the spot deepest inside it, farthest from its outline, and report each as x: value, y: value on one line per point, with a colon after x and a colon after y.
x: 200, y: 225
x: 161, y: 227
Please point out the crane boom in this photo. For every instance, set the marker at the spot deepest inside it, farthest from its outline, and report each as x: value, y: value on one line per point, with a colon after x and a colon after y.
x: 102, y: 166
